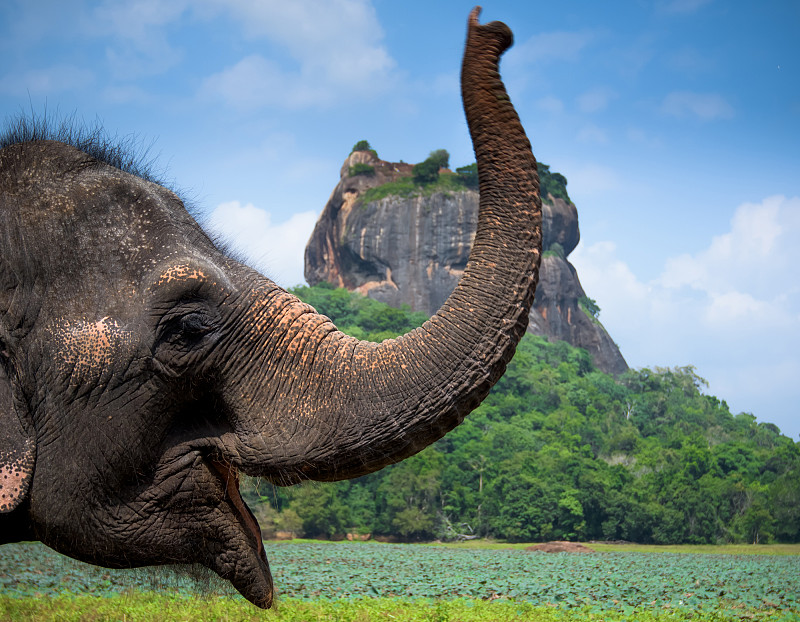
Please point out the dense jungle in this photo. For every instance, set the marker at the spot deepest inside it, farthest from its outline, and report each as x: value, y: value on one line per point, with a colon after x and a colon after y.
x: 559, y: 451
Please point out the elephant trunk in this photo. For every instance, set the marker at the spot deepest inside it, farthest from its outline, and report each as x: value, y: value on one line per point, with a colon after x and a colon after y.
x: 344, y: 408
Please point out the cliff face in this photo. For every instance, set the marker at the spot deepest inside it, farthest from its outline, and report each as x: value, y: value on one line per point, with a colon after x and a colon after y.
x: 414, y: 249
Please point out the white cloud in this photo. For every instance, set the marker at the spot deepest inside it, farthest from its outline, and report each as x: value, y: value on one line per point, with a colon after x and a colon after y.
x: 550, y: 104
x: 610, y: 280
x: 731, y: 309
x: 553, y: 46
x: 704, y: 106
x: 276, y: 249
x: 592, y: 134
x: 139, y: 44
x: 256, y: 81
x: 641, y: 137
x: 591, y: 179
x: 135, y: 19
x: 335, y: 47
x: 691, y: 61
x: 595, y: 100
x: 761, y: 244
x: 48, y: 80
x: 126, y: 94
x: 736, y: 310
x: 329, y: 49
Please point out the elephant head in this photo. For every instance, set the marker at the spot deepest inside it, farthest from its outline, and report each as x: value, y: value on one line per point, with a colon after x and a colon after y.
x: 142, y: 368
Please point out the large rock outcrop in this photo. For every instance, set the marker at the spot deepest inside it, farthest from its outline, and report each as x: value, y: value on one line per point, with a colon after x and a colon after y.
x: 412, y: 250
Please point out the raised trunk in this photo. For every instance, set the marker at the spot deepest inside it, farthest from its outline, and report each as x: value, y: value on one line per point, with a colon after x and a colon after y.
x: 346, y: 408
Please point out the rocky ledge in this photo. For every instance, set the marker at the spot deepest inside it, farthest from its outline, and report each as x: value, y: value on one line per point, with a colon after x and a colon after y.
x: 413, y: 249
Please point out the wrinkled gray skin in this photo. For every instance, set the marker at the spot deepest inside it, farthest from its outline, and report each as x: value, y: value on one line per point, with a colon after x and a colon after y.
x: 142, y: 369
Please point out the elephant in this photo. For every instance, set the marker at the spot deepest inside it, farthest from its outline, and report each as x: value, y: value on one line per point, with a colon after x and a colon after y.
x: 143, y: 367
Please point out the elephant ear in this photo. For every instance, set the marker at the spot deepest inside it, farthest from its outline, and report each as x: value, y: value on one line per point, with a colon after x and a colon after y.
x: 17, y: 451
x: 17, y: 446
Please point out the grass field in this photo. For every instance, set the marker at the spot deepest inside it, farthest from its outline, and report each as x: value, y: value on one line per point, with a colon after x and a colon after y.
x: 602, y: 547
x: 370, y: 581
x: 702, y: 549
x: 136, y: 607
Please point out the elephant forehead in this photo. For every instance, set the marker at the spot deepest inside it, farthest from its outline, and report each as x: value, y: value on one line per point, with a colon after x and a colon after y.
x: 85, y: 349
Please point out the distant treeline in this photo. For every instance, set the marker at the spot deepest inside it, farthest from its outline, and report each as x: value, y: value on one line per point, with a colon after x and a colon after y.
x: 560, y: 451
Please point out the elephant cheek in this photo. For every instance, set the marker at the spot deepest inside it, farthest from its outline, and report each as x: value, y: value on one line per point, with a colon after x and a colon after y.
x: 87, y: 350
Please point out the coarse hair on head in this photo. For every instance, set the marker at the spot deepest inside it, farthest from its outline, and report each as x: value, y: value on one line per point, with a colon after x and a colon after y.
x: 125, y: 153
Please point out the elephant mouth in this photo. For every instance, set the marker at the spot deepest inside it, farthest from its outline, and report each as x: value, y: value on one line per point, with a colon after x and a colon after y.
x: 202, y: 446
x: 254, y: 583
x: 229, y: 478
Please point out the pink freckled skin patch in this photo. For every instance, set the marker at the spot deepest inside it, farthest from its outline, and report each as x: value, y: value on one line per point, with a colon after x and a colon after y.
x: 87, y: 349
x: 181, y: 273
x: 16, y: 470
x: 100, y: 331
x: 12, y: 483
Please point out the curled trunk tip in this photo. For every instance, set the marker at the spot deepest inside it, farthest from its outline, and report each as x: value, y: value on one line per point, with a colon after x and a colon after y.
x: 498, y: 31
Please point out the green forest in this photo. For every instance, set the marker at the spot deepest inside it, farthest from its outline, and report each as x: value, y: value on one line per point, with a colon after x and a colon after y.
x: 559, y: 451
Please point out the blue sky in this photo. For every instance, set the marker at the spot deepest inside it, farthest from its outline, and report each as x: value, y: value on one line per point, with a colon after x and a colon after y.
x: 676, y: 122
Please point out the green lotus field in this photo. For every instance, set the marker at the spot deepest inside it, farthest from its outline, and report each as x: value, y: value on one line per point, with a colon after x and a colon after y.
x: 365, y: 581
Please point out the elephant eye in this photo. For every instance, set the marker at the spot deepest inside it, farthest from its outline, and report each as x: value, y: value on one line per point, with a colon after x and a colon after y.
x: 187, y: 329
x: 194, y: 324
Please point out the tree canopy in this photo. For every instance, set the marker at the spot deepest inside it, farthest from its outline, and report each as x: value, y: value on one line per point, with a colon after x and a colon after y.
x: 428, y: 171
x: 552, y: 183
x: 363, y: 145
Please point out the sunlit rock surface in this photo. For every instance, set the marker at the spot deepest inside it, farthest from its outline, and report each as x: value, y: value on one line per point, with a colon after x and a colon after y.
x: 412, y: 250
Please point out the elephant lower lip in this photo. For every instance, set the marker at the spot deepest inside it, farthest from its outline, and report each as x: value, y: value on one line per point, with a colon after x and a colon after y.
x: 229, y: 476
x: 254, y: 584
